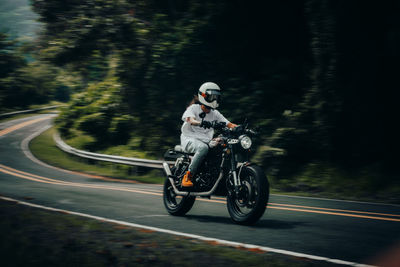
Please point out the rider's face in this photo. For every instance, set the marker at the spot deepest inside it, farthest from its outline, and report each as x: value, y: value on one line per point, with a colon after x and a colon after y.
x: 205, y: 109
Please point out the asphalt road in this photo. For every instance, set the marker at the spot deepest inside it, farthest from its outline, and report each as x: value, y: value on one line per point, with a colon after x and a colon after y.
x: 350, y: 231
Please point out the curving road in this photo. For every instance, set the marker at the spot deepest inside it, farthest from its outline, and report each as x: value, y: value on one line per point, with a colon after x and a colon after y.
x: 352, y: 232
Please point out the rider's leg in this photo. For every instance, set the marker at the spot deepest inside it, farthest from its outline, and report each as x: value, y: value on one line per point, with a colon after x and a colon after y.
x: 200, y: 150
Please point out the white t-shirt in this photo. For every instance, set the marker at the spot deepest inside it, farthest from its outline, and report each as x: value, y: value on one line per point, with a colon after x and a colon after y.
x: 197, y: 132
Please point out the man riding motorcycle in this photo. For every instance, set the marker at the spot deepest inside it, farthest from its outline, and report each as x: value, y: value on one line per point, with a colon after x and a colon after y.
x: 197, y: 131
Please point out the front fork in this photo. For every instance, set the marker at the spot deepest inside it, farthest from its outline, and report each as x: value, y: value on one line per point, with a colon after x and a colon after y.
x: 236, y: 181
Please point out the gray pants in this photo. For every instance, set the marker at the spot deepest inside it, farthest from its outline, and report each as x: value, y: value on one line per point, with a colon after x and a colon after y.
x: 200, y: 150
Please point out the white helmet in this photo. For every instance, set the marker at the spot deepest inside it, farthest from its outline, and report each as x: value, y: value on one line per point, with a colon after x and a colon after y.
x: 210, y: 94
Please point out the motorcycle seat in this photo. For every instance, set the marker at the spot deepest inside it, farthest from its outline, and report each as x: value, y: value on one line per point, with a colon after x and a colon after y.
x: 176, y: 152
x: 179, y: 148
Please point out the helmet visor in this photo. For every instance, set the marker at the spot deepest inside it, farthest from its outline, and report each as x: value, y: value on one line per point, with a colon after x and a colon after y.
x: 212, y: 95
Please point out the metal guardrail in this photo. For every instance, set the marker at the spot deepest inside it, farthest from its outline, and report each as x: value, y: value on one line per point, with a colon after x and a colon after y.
x: 27, y: 111
x: 108, y: 158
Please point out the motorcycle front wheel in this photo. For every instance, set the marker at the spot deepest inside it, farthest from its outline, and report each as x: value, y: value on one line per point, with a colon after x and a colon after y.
x: 176, y: 205
x: 249, y: 204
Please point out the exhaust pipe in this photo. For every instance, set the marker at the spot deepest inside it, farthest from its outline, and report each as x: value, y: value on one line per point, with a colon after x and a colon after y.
x: 167, y: 170
x: 198, y: 194
x: 168, y: 173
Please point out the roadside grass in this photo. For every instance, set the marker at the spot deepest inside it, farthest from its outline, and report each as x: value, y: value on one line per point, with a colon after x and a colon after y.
x: 35, y: 237
x: 44, y: 148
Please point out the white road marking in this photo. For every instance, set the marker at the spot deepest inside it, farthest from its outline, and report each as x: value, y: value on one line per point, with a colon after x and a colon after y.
x: 193, y: 236
x: 27, y: 151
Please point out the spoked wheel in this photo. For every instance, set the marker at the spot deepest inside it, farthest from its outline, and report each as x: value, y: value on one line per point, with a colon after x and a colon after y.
x: 248, y: 204
x: 176, y: 205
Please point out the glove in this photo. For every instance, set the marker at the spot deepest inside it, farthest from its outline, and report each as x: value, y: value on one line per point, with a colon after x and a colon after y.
x: 206, y: 124
x: 218, y: 125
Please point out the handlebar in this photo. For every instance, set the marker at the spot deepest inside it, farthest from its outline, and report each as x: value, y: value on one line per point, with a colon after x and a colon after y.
x: 222, y: 126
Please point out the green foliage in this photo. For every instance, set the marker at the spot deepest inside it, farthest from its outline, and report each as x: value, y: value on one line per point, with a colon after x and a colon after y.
x: 98, y: 112
x: 9, y: 59
x: 93, y: 124
x: 120, y: 128
x: 24, y: 83
x: 21, y: 83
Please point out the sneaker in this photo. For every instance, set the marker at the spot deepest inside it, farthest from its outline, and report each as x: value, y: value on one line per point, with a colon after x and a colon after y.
x: 187, y: 180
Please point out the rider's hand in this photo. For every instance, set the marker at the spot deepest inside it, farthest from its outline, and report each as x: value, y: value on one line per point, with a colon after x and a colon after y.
x: 206, y: 124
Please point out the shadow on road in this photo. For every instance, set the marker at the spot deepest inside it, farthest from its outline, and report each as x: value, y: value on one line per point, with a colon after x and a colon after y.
x: 276, y: 224
x: 268, y: 224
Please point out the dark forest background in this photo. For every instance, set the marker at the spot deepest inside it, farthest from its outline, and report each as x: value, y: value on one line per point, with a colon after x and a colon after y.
x: 317, y: 76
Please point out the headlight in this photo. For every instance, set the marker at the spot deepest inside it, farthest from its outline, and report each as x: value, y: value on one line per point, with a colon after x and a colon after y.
x: 245, y: 141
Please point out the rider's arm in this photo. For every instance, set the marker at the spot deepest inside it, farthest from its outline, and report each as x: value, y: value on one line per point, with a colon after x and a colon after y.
x: 221, y: 118
x: 193, y: 121
x: 231, y: 125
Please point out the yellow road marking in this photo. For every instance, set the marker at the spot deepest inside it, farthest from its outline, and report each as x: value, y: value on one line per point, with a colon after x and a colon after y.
x: 286, y: 206
x: 340, y: 210
x: 46, y: 180
x: 337, y: 213
x: 37, y: 178
x: 323, y: 212
x: 20, y: 125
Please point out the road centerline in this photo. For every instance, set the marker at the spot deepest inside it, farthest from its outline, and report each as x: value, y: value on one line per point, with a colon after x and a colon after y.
x: 23, y: 124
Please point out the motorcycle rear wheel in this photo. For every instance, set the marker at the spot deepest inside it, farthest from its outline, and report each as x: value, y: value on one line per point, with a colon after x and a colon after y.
x: 176, y: 205
x: 250, y: 205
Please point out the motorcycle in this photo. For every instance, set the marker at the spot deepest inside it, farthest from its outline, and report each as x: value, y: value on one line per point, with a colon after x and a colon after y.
x: 226, y: 171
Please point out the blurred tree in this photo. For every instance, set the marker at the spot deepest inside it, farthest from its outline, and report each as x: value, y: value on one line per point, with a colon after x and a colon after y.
x: 9, y: 59
x: 31, y: 84
x: 25, y: 83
